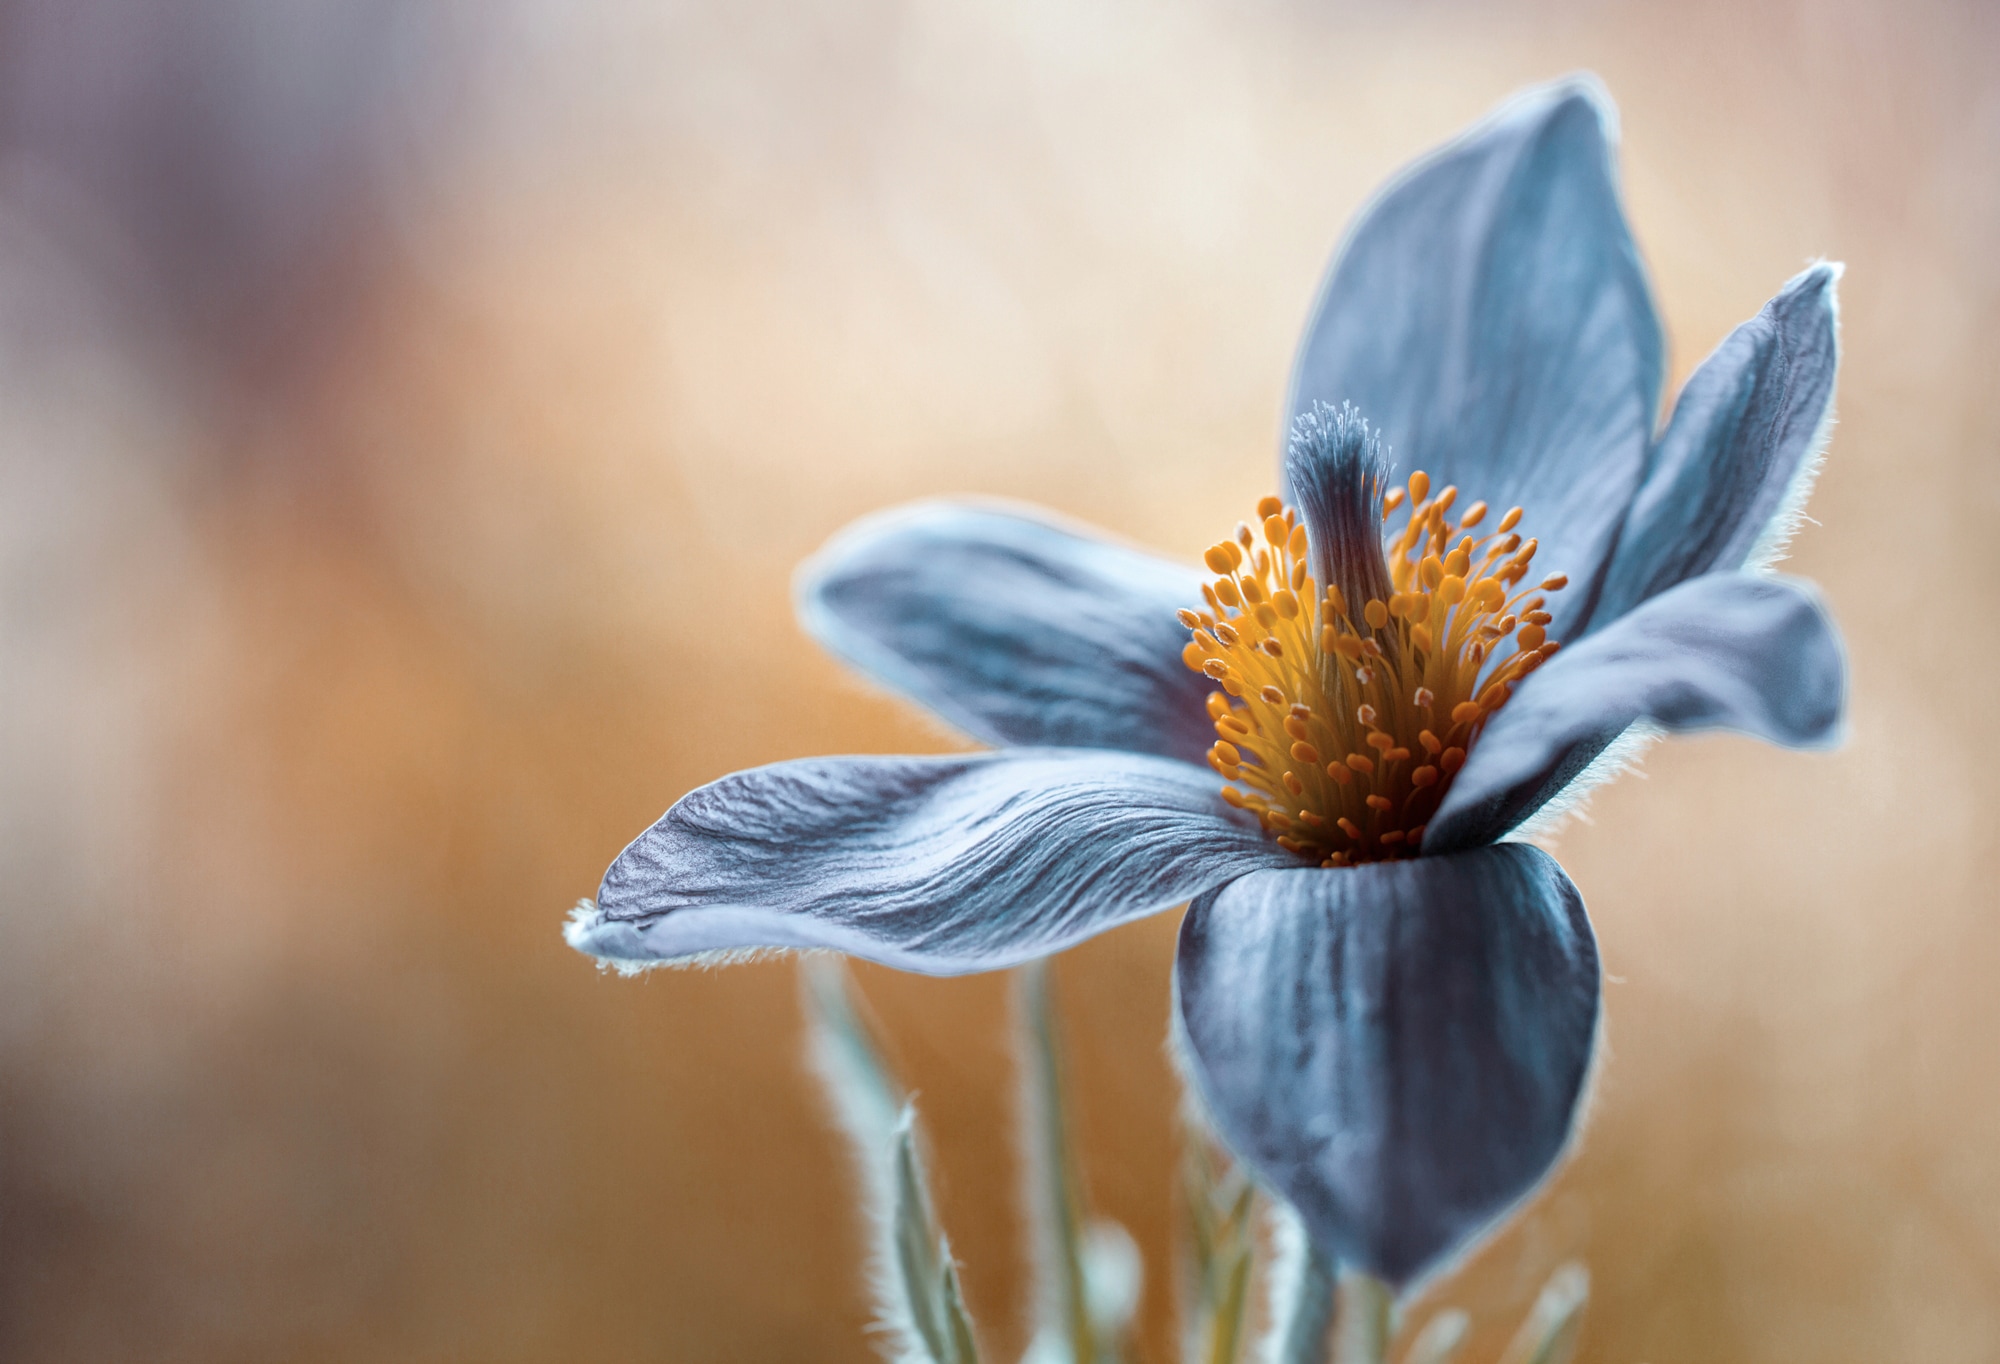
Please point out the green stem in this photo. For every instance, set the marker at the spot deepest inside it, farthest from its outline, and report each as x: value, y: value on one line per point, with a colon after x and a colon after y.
x: 1302, y: 1298
x: 1367, y: 1320
x: 1054, y: 1195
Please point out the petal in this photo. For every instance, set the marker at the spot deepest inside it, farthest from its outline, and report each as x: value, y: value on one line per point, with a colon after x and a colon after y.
x: 1397, y: 1048
x: 1724, y: 651
x: 940, y: 865
x: 1490, y: 315
x: 1738, y: 454
x: 1015, y: 629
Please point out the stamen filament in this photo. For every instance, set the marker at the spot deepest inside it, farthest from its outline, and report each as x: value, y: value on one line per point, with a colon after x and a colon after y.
x: 1342, y: 731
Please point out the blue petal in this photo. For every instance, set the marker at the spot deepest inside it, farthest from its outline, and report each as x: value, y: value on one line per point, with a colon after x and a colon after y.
x: 1724, y: 651
x: 1016, y: 630
x: 940, y: 865
x: 1397, y: 1048
x: 1736, y: 457
x: 1489, y: 314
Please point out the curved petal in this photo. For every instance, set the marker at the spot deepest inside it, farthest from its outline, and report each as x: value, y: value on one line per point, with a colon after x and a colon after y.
x: 1724, y: 651
x: 940, y: 865
x: 1397, y: 1048
x: 1489, y: 314
x: 1736, y: 459
x: 1013, y: 628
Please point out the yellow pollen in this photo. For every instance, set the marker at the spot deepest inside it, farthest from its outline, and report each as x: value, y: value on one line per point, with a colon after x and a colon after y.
x: 1341, y: 732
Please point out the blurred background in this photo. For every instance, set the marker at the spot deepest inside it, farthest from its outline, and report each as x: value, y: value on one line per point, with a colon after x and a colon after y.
x: 411, y: 412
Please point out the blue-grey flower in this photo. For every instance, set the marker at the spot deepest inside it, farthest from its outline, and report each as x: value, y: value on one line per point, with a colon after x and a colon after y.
x: 1324, y: 737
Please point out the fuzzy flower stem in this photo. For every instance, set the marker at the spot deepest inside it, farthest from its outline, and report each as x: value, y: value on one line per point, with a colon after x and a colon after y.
x: 1301, y: 1308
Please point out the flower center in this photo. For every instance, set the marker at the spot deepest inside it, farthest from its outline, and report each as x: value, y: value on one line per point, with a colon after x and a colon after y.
x: 1341, y: 728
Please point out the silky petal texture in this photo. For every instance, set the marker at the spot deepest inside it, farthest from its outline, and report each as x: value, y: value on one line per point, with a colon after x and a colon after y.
x: 1015, y: 629
x: 1489, y: 314
x: 1733, y: 651
x: 1739, y: 451
x: 942, y: 865
x: 1397, y: 1048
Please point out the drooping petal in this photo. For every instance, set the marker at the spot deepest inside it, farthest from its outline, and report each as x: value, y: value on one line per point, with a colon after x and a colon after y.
x: 1724, y: 651
x: 1014, y: 628
x: 1489, y: 314
x: 1738, y: 453
x: 940, y: 865
x: 1398, y: 1048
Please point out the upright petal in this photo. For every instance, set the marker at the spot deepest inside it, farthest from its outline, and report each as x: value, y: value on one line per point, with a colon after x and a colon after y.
x: 1397, y: 1048
x: 1489, y: 314
x: 1015, y: 629
x: 940, y: 865
x: 1724, y: 651
x: 1737, y: 457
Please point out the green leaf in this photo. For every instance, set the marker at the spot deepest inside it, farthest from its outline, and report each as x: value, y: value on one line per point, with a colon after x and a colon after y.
x: 917, y: 1298
x: 1219, y: 1252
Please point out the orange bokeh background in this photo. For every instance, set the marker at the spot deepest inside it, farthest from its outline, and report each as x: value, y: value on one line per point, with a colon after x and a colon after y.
x: 410, y: 416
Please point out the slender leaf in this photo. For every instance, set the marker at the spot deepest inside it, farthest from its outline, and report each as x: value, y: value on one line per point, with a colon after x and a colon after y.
x: 1219, y: 1253
x: 918, y: 1305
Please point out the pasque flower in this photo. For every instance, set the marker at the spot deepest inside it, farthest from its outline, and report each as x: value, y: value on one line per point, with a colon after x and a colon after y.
x: 1325, y: 736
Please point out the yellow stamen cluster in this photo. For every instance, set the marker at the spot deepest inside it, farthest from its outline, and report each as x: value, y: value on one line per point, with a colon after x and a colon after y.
x: 1341, y: 725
